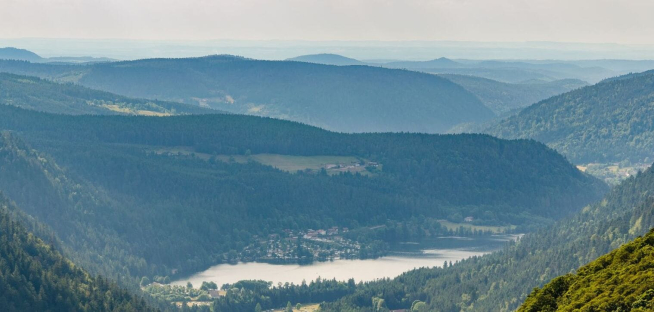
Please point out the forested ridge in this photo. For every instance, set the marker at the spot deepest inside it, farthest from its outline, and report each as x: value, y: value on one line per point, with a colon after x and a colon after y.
x: 622, y: 280
x: 36, y: 277
x: 107, y: 195
x: 339, y: 98
x: 501, y: 281
x: 611, y: 121
x: 42, y: 95
x: 503, y: 97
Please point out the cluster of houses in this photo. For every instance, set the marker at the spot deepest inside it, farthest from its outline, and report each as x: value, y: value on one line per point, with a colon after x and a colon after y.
x: 323, y: 244
x: 311, y: 234
x: 353, y: 166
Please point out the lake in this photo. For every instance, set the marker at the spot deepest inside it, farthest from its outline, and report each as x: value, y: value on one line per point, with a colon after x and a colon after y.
x: 405, y: 257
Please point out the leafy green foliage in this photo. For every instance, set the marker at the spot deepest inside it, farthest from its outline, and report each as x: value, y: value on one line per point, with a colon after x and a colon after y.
x: 623, y: 280
x: 608, y: 122
x: 35, y: 277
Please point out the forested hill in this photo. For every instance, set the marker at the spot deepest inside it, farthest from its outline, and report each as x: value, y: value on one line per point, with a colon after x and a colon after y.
x: 504, y: 97
x: 339, y: 98
x: 42, y: 95
x: 611, y: 121
x: 327, y: 59
x: 35, y: 277
x: 502, y: 281
x: 190, y: 181
x: 623, y: 280
x: 18, y: 54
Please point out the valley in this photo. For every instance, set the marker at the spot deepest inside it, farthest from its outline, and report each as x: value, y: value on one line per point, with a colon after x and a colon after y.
x: 215, y: 182
x: 428, y: 254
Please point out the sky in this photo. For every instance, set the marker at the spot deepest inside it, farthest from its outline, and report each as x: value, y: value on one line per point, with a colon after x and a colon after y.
x: 587, y: 21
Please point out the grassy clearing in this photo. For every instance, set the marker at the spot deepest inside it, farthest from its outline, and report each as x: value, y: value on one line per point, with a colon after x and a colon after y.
x: 495, y: 229
x: 127, y: 110
x: 305, y: 308
x: 613, y: 173
x: 296, y: 163
x: 289, y: 163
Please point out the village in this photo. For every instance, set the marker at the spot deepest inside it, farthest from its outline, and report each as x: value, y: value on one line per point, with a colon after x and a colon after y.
x: 364, y: 167
x: 302, y: 247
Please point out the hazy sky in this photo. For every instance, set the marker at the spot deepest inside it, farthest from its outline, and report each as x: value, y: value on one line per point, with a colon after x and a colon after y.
x: 602, y: 21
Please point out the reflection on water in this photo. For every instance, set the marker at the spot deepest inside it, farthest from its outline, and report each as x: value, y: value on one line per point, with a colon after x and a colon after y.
x: 405, y: 257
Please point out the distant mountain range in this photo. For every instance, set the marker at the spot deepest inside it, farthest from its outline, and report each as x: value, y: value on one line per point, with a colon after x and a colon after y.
x: 19, y: 55
x: 340, y: 98
x: 327, y: 59
x: 10, y: 53
x: 611, y: 121
x: 361, y: 98
x: 503, y: 97
x: 514, y: 71
x: 437, y: 63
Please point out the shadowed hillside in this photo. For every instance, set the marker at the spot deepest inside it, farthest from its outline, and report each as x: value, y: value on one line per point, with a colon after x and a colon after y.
x: 611, y: 121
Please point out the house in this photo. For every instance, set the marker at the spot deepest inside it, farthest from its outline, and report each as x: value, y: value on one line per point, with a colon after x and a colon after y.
x: 215, y: 293
x: 468, y: 219
x: 332, y: 231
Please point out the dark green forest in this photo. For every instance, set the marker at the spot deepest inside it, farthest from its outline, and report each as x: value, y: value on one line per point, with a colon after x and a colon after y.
x: 34, y: 276
x: 504, y: 97
x: 339, y: 98
x: 97, y: 183
x: 501, y: 281
x: 623, y: 280
x: 126, y: 197
x: 607, y: 122
x: 42, y: 95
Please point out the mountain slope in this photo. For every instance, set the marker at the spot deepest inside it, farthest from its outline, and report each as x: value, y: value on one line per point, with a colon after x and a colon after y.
x: 104, y: 176
x: 622, y: 280
x: 35, y: 277
x: 501, y: 281
x: 504, y: 97
x: 436, y: 63
x: 19, y: 55
x: 340, y: 98
x: 41, y: 95
x: 608, y: 122
x: 327, y: 59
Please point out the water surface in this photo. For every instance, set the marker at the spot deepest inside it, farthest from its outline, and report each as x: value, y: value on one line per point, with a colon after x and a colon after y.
x: 405, y: 257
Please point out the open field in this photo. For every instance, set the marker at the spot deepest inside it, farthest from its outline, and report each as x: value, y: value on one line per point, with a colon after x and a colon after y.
x: 495, y: 229
x: 305, y: 308
x: 612, y: 173
x: 296, y: 163
x: 289, y: 163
